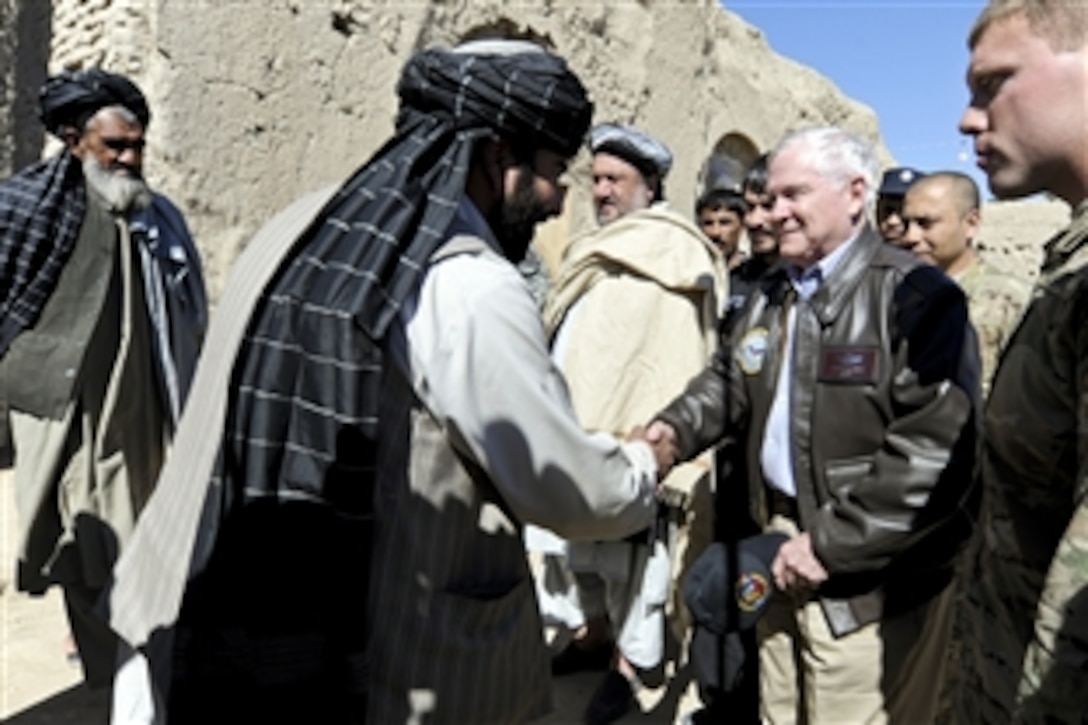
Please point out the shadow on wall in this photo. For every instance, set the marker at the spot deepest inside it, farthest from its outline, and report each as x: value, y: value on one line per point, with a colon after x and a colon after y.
x: 30, y: 31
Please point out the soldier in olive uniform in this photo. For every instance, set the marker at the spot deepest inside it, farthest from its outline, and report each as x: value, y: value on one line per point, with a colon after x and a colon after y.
x: 1021, y: 637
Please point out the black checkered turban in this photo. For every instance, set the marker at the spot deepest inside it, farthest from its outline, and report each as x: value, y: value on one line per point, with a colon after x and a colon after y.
x: 70, y: 98
x: 306, y: 398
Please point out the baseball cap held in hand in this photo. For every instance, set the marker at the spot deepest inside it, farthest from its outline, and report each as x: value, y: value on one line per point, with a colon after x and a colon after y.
x: 730, y: 585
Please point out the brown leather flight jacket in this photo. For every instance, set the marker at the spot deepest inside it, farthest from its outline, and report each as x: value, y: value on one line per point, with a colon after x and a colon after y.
x: 883, y: 422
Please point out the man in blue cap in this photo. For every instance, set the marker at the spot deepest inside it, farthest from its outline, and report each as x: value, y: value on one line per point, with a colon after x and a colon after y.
x: 889, y: 201
x: 852, y: 383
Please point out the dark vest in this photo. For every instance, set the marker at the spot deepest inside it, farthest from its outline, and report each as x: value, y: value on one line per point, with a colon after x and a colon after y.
x: 42, y: 368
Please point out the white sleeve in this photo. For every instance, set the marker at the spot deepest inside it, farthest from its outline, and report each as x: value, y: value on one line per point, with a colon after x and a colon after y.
x: 479, y: 361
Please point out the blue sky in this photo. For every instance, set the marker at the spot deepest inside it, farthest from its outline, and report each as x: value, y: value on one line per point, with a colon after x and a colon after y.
x: 905, y: 59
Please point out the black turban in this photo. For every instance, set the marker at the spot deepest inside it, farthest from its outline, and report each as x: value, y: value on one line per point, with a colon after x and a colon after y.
x: 530, y: 96
x: 364, y: 254
x: 393, y: 212
x: 72, y: 97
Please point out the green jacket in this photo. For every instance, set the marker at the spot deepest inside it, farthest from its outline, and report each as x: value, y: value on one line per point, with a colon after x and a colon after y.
x: 1021, y: 635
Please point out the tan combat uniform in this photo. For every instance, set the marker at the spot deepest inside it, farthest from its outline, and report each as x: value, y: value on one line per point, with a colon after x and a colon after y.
x: 995, y: 300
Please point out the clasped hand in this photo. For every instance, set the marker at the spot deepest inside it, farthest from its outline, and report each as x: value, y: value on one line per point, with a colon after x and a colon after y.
x: 662, y: 439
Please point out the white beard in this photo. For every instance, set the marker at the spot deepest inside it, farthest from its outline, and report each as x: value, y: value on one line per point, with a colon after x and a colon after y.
x: 122, y: 193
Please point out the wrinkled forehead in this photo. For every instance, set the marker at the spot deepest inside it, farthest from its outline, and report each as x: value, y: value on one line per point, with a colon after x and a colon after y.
x: 611, y: 164
x: 793, y: 165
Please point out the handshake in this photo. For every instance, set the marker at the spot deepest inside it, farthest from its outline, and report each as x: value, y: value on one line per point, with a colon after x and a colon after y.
x: 661, y: 438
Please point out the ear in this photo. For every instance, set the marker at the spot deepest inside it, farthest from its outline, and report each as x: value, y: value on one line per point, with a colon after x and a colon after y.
x: 71, y: 137
x: 857, y: 190
x: 653, y: 183
x: 486, y: 177
x: 973, y: 220
x: 496, y: 157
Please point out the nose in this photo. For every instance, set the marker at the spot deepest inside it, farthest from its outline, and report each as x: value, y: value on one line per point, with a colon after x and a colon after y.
x: 911, y: 236
x: 131, y: 151
x: 778, y: 212
x: 755, y: 218
x: 130, y: 157
x: 973, y: 120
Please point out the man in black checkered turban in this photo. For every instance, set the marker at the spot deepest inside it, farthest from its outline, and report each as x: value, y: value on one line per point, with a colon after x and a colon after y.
x: 377, y: 417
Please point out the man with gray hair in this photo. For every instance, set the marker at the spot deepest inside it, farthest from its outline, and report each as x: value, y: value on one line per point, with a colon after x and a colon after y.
x: 632, y: 315
x: 102, y: 315
x: 853, y: 381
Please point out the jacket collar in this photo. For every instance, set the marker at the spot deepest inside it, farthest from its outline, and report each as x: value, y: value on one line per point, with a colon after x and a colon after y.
x: 836, y: 291
x: 1060, y: 251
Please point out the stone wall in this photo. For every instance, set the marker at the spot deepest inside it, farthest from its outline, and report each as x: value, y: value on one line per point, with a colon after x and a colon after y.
x: 24, y: 52
x: 1013, y: 233
x: 115, y: 34
x: 255, y: 102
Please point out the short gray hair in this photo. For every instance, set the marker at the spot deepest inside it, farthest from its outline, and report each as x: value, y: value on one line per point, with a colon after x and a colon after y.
x: 838, y: 155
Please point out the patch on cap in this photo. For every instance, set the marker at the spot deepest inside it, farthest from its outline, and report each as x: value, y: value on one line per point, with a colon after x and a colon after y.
x: 753, y: 589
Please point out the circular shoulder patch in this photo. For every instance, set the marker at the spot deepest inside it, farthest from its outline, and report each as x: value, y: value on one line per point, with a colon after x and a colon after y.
x: 752, y: 350
x: 752, y: 591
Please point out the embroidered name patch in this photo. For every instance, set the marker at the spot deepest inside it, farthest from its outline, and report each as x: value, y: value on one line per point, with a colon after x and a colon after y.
x: 849, y: 364
x: 752, y: 350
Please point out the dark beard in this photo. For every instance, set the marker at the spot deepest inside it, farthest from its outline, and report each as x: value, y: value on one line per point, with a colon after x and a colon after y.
x: 514, y: 221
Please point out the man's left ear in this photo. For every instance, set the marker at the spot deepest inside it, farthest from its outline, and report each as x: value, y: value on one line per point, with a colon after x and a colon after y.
x: 973, y: 220
x: 653, y: 188
x: 71, y: 136
x: 859, y: 193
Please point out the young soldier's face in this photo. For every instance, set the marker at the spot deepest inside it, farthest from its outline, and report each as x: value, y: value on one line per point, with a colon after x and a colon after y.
x: 1028, y: 112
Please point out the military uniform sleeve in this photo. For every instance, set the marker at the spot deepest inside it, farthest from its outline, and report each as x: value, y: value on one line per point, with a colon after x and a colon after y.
x: 480, y: 363
x: 1054, y: 679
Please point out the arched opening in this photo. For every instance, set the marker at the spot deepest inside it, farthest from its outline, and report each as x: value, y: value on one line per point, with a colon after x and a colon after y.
x: 728, y: 162
x: 506, y: 29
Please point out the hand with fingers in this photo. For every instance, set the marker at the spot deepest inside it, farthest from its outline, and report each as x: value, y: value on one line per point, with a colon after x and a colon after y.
x: 796, y: 567
x: 662, y: 439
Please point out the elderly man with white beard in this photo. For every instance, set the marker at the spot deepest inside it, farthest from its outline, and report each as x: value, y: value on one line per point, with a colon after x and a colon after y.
x: 102, y: 314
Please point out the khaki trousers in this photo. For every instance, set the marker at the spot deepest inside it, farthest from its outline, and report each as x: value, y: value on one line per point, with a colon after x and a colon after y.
x: 886, y: 672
